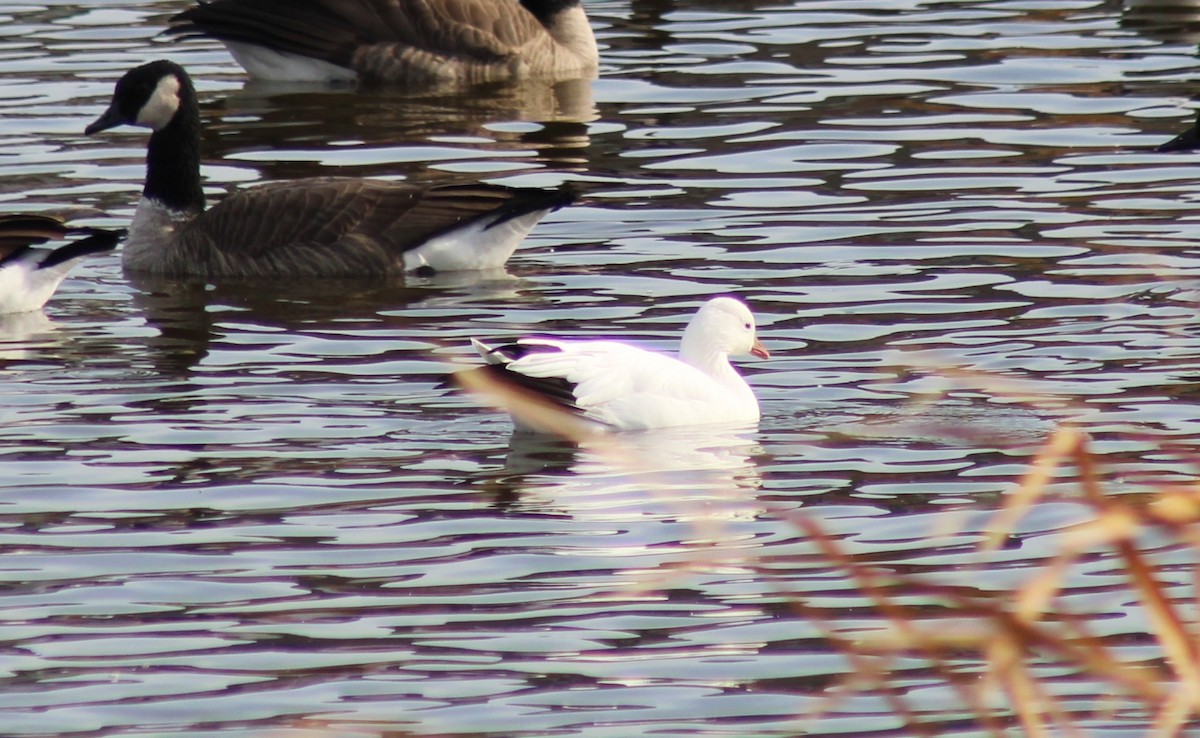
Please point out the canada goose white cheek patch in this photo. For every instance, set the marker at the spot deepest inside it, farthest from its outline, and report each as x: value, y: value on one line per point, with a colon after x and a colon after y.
x: 162, y: 105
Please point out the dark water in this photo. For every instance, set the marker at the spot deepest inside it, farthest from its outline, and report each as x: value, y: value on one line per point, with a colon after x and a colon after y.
x: 248, y: 510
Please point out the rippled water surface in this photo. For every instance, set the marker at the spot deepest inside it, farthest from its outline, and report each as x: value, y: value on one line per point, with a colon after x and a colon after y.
x: 245, y: 509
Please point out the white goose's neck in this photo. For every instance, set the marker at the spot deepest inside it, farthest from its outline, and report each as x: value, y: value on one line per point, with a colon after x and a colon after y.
x: 714, y: 361
x: 699, y: 350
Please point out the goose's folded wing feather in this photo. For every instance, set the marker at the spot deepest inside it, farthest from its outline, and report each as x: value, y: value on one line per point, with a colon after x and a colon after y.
x: 626, y: 386
x: 308, y: 29
x: 19, y: 231
x: 361, y: 224
x: 334, y: 30
x: 485, y: 30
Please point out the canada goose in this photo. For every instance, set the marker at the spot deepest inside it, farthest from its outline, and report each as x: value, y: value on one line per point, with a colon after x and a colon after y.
x: 29, y: 276
x: 326, y: 226
x: 1186, y: 141
x: 399, y: 40
x: 627, y: 387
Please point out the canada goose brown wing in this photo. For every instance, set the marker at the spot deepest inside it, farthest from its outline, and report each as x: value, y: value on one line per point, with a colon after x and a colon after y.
x: 334, y: 226
x: 320, y: 30
x: 349, y: 32
x: 485, y: 30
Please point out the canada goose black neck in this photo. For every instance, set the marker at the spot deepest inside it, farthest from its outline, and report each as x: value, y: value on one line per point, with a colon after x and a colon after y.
x: 173, y: 155
x: 546, y: 10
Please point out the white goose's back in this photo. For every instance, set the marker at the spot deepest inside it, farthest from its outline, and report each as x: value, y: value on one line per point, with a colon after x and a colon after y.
x: 630, y: 388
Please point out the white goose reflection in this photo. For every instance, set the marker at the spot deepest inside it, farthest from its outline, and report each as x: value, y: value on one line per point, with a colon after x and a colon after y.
x: 20, y: 331
x: 682, y: 474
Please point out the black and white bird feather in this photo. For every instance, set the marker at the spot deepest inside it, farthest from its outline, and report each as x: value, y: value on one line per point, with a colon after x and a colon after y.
x: 626, y: 387
x: 326, y: 226
x: 30, y: 275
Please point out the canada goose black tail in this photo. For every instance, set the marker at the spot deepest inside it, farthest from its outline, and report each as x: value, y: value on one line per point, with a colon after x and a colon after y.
x: 20, y: 230
x: 1189, y: 140
x: 31, y: 275
x: 475, y: 227
x: 98, y: 240
x: 533, y: 200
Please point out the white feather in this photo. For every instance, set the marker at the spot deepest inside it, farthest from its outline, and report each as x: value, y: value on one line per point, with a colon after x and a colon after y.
x: 281, y: 66
x: 158, y: 111
x: 473, y: 246
x: 24, y: 287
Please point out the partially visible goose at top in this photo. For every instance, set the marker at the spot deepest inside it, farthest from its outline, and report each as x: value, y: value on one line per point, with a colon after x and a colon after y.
x: 626, y: 387
x: 1186, y: 141
x: 28, y: 275
x: 399, y: 40
x: 328, y: 226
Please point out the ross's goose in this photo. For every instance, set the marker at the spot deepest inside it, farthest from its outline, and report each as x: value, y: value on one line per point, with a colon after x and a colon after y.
x: 318, y: 227
x: 28, y: 275
x: 626, y: 387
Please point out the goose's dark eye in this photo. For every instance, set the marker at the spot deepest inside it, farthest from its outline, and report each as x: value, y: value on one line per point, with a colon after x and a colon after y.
x: 747, y: 326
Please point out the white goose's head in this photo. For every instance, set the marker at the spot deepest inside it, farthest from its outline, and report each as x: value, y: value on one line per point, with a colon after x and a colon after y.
x: 149, y: 96
x: 723, y: 325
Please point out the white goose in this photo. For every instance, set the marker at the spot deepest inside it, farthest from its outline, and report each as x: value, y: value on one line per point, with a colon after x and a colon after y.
x: 29, y: 276
x: 630, y: 388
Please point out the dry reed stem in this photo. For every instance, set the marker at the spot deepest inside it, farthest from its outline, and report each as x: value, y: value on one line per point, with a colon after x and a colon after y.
x: 995, y: 629
x: 1003, y: 629
x: 531, y: 408
x: 872, y: 660
x: 1023, y: 695
x: 1062, y: 443
x: 1116, y: 524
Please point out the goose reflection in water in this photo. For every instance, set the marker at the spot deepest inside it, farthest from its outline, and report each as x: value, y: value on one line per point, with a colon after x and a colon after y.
x: 544, y: 124
x: 1170, y: 21
x: 186, y: 312
x: 22, y: 333
x: 685, y: 474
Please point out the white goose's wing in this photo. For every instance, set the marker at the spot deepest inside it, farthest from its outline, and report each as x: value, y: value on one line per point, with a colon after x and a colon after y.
x: 618, y: 384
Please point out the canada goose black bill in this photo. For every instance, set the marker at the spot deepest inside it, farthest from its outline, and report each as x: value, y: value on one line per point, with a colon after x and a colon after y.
x: 29, y: 276
x: 329, y: 226
x: 399, y: 40
x: 1189, y: 140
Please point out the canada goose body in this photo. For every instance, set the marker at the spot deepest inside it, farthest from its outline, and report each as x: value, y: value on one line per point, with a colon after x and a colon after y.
x: 29, y: 276
x: 1189, y: 140
x: 399, y: 40
x: 328, y: 226
x: 626, y: 387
